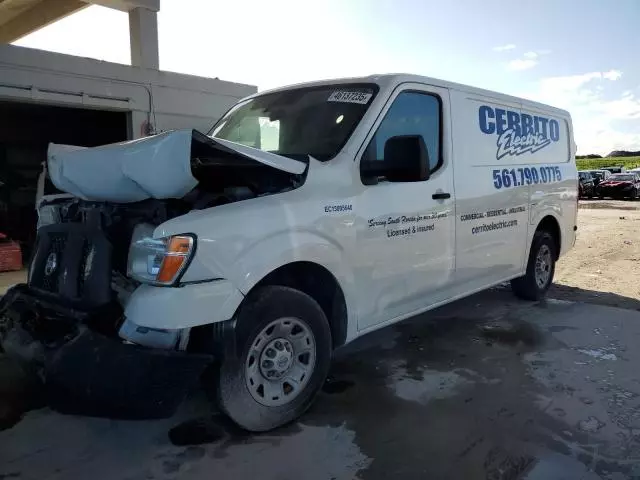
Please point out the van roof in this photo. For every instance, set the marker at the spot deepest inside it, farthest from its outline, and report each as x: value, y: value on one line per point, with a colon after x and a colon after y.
x: 391, y: 80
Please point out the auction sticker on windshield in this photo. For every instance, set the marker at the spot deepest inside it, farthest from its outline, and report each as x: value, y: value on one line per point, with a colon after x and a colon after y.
x: 349, y: 97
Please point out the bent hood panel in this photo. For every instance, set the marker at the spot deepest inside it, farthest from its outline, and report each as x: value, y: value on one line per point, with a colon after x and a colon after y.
x: 151, y: 167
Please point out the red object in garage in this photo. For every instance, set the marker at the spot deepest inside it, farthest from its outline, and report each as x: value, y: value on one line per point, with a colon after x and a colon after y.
x: 10, y: 255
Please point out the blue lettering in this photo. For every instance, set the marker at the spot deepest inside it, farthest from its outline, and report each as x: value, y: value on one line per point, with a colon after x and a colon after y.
x: 554, y: 130
x: 517, y: 132
x: 513, y: 122
x: 485, y: 113
x: 544, y: 122
x: 527, y: 124
x: 500, y: 120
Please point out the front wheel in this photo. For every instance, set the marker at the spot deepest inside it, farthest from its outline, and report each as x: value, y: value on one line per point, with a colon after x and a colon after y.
x: 540, y: 268
x: 283, y: 357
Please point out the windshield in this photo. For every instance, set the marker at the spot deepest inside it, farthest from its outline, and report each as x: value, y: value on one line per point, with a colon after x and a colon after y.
x: 314, y: 121
x: 621, y: 178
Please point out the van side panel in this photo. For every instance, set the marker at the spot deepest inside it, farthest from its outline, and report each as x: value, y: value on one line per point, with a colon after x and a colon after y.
x: 556, y: 198
x: 491, y: 222
x: 511, y: 164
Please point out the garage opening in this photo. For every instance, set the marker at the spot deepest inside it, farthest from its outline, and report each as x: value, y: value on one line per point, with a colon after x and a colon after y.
x: 25, y: 132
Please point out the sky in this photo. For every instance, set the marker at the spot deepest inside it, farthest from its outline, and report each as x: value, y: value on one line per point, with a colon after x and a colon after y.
x: 580, y: 55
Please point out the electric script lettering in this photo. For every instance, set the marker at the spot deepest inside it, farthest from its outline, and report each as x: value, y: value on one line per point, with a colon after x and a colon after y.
x: 517, y: 133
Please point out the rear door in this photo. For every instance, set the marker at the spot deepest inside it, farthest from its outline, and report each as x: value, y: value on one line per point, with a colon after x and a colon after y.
x: 405, y: 231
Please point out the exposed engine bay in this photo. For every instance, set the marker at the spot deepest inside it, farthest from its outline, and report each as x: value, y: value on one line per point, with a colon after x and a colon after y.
x: 222, y: 175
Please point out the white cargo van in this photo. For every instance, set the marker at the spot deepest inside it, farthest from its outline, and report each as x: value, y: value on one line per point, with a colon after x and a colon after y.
x: 309, y: 216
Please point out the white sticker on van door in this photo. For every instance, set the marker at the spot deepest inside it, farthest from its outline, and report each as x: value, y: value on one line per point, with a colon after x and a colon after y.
x: 349, y: 97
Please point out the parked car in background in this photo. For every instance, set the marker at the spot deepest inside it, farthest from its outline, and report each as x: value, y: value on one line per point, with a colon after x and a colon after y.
x: 619, y: 169
x: 586, y: 184
x: 599, y: 175
x: 620, y: 185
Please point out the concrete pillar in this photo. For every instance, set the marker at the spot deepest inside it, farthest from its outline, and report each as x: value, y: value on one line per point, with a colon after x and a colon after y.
x: 143, y: 36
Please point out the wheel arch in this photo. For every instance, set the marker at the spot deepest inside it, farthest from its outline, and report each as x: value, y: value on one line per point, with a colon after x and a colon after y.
x: 320, y: 284
x: 550, y: 224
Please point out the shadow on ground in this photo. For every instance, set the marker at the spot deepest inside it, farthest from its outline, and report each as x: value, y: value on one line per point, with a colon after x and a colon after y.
x: 575, y: 294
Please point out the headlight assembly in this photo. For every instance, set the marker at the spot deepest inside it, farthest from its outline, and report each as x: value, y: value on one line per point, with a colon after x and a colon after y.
x: 159, y: 261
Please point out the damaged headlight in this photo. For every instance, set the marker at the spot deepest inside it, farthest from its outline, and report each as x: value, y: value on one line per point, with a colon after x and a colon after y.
x: 159, y: 261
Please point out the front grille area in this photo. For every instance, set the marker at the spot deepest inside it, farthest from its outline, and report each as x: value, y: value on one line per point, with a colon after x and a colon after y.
x: 50, y: 281
x: 72, y: 262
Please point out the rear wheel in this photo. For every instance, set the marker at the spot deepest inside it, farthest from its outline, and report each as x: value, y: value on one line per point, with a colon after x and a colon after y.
x: 283, y: 356
x: 540, y: 268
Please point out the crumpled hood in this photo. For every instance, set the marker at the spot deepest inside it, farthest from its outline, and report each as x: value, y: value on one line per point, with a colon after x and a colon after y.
x: 151, y: 167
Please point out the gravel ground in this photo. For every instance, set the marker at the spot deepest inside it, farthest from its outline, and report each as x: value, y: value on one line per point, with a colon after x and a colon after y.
x: 604, y: 265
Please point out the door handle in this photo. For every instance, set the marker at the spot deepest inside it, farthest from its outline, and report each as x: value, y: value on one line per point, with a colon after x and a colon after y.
x: 440, y: 196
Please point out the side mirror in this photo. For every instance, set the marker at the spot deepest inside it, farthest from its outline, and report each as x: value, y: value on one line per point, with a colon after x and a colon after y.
x: 406, y: 159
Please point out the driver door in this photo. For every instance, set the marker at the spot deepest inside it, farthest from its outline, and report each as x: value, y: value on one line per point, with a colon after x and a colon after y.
x: 405, y: 230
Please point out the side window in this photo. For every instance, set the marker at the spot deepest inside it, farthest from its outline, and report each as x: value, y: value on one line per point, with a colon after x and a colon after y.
x: 411, y: 114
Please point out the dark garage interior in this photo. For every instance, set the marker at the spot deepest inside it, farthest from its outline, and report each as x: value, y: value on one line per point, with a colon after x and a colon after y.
x: 26, y: 129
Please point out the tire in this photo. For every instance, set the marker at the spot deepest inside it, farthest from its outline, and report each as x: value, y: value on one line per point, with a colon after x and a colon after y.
x: 634, y: 195
x: 265, y: 343
x: 529, y: 287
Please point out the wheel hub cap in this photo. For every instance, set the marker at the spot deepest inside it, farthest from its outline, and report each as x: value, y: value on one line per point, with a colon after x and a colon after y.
x: 280, y: 362
x: 276, y: 358
x: 543, y: 266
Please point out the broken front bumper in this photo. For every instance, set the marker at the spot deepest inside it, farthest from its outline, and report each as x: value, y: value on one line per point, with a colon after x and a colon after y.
x: 88, y: 372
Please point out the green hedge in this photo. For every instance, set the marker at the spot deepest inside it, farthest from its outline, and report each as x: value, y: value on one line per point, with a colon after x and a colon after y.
x: 595, y: 163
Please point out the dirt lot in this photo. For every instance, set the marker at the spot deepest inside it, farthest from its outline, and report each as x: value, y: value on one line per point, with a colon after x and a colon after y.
x: 604, y: 265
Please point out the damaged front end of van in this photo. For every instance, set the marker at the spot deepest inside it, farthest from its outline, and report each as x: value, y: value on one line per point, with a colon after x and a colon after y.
x: 91, y: 321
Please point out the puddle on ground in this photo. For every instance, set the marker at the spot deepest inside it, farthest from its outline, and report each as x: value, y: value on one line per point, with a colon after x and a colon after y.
x: 560, y: 328
x: 196, y: 432
x: 332, y: 386
x: 600, y: 354
x: 430, y: 385
x: 553, y: 466
x: 511, y: 333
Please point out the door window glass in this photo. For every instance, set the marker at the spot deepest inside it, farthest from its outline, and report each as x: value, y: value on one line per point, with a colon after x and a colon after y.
x: 412, y: 113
